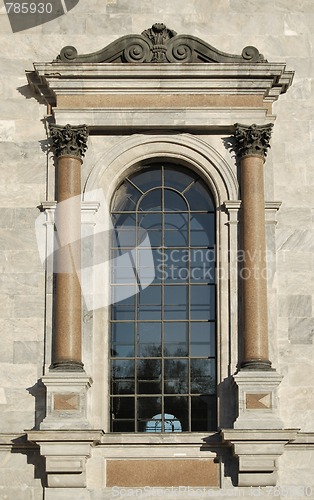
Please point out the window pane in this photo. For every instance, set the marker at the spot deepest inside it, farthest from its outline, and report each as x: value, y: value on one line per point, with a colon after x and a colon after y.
x: 203, y: 376
x: 176, y: 376
x: 124, y: 221
x: 149, y: 339
x: 202, y: 339
x: 123, y: 309
x: 202, y: 230
x: 147, y: 178
x: 122, y: 407
x: 178, y: 407
x: 175, y: 339
x: 151, y: 201
x: 149, y: 376
x: 202, y: 265
x: 173, y: 201
x: 122, y: 340
x: 147, y: 407
x: 176, y: 230
x: 122, y: 376
x: 124, y: 238
x: 123, y: 426
x: 150, y: 263
x: 202, y: 305
x: 126, y: 198
x: 178, y: 177
x: 176, y: 300
x: 199, y: 197
x: 176, y: 266
x: 151, y: 223
x: 149, y: 303
x: 203, y: 409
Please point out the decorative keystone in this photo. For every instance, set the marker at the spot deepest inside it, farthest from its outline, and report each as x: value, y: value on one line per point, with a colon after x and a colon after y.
x: 252, y: 139
x: 68, y: 140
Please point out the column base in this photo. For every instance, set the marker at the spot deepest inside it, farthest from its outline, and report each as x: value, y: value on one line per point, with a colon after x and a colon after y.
x: 257, y: 399
x: 66, y: 400
x: 73, y: 366
x: 257, y: 364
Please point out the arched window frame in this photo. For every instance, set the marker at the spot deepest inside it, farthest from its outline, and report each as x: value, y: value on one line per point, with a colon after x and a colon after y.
x: 120, y: 161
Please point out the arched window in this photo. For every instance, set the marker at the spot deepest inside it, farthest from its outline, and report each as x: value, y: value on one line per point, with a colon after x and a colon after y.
x: 163, y: 313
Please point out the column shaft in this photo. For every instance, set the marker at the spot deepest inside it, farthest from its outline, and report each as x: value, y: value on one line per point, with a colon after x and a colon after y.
x: 252, y: 143
x: 70, y: 144
x: 67, y: 341
x: 254, y: 272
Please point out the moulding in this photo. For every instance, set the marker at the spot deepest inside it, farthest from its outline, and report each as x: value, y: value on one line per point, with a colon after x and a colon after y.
x: 183, y: 119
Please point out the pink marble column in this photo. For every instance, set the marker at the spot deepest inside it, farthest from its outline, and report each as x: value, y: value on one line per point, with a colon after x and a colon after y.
x: 252, y: 143
x: 70, y: 144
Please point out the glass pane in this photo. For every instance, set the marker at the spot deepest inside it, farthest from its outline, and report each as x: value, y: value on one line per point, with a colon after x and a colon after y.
x: 176, y: 376
x: 202, y: 264
x: 199, y: 197
x: 175, y: 339
x: 178, y: 177
x: 173, y: 201
x: 122, y: 407
x: 176, y: 267
x: 202, y: 339
x: 123, y: 309
x: 124, y: 238
x: 203, y: 376
x: 202, y: 302
x: 151, y: 202
x: 122, y: 339
x: 122, y: 376
x: 149, y: 303
x: 178, y: 407
x: 203, y: 409
x: 126, y: 198
x: 176, y: 300
x: 123, y: 426
x: 176, y: 230
x: 202, y: 230
x: 124, y: 221
x: 147, y: 407
x: 147, y: 178
x: 151, y: 223
x: 149, y: 376
x: 149, y: 339
x: 150, y: 263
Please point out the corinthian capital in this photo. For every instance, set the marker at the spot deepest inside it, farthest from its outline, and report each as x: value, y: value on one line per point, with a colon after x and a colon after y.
x: 252, y: 139
x: 68, y: 140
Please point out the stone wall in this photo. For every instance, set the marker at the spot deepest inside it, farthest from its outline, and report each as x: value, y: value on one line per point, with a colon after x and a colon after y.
x: 282, y: 30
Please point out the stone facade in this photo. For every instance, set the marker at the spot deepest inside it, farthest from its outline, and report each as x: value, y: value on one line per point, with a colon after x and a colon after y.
x: 85, y: 456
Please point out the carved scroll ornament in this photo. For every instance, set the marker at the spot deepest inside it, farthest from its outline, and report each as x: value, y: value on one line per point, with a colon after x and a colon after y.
x: 160, y: 44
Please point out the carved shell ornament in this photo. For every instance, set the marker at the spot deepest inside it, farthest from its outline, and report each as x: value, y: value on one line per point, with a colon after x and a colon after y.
x: 159, y: 44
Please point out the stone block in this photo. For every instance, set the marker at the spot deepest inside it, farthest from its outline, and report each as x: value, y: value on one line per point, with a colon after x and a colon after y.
x: 7, y: 130
x: 7, y: 216
x: 27, y: 352
x: 301, y: 330
x: 26, y: 306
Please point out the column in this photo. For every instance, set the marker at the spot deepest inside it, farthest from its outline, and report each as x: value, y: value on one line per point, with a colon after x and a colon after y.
x: 70, y: 144
x: 252, y: 143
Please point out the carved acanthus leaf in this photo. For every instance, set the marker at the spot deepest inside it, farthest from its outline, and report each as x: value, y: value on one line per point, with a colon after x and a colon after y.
x: 252, y: 139
x: 69, y: 140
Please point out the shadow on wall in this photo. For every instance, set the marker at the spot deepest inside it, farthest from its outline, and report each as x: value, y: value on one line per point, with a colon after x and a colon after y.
x: 38, y: 391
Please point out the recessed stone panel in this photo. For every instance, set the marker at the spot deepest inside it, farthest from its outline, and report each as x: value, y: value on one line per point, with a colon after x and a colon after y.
x: 180, y: 472
x: 68, y: 401
x: 258, y: 401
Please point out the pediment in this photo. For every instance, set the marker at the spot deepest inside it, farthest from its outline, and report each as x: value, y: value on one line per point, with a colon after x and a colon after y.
x: 159, y: 44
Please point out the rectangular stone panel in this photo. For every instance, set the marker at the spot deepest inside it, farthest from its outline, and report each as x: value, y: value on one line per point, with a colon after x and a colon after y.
x: 259, y: 401
x: 163, y: 473
x: 67, y: 401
